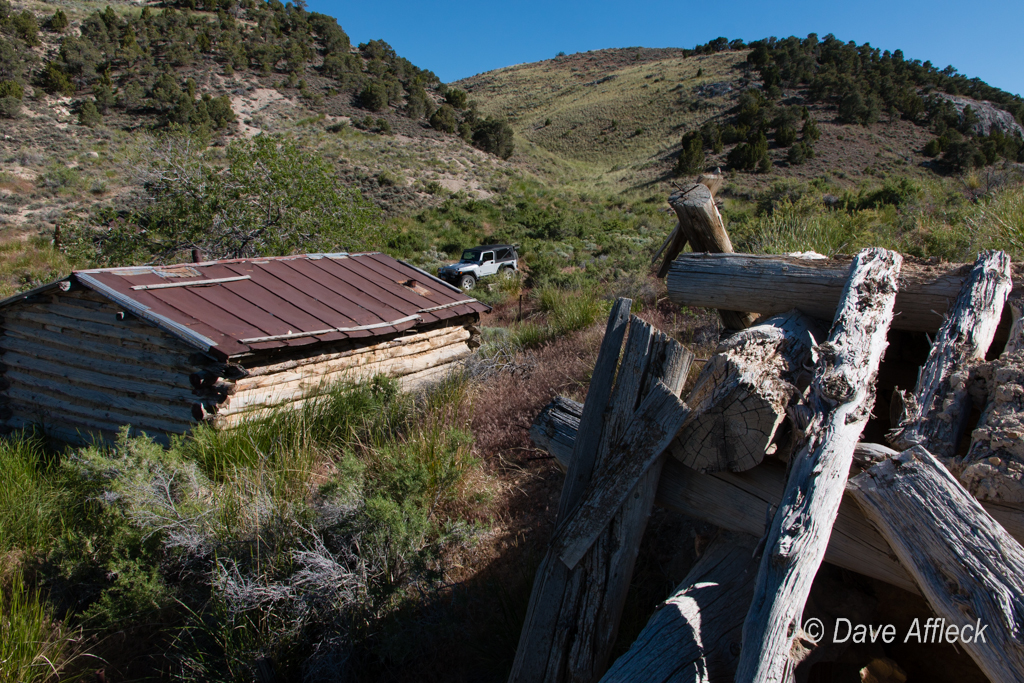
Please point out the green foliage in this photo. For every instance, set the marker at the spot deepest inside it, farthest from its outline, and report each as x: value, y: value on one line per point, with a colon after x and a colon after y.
x: 444, y: 119
x: 691, y: 156
x: 273, y: 198
x: 750, y: 156
x: 31, y: 646
x: 23, y: 25
x: 494, y: 136
x: 29, y: 497
x: 374, y: 97
x: 457, y: 98
x: 58, y: 21
x: 810, y: 133
x: 569, y: 310
x: 800, y: 153
x: 88, y: 114
x: 55, y: 81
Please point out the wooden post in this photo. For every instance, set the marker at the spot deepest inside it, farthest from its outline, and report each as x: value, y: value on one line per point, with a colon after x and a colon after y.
x: 573, y: 615
x: 776, y: 284
x: 968, y: 568
x: 839, y: 403
x: 695, y: 634
x: 741, y: 395
x: 701, y: 225
x: 935, y: 415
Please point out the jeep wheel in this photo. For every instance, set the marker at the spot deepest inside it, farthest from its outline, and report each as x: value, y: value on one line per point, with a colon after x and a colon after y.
x: 507, y: 273
x: 467, y: 282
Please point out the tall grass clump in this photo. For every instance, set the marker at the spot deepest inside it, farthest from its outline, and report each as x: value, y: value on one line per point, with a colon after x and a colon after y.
x: 569, y: 310
x: 32, y: 646
x: 30, y: 501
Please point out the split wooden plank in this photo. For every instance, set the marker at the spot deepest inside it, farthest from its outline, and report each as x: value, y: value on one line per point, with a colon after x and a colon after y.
x: 649, y: 433
x: 701, y: 224
x: 935, y: 415
x: 775, y: 284
x: 742, y: 393
x: 573, y: 614
x: 968, y: 568
x: 694, y: 635
x: 737, y: 501
x: 839, y: 403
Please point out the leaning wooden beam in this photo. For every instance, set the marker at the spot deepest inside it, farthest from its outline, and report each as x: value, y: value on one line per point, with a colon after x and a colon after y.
x: 993, y: 469
x: 968, y: 568
x: 692, y: 635
x: 737, y: 501
x: 935, y: 415
x: 573, y: 615
x: 775, y: 284
x: 712, y: 181
x: 741, y: 395
x: 701, y: 225
x: 838, y: 405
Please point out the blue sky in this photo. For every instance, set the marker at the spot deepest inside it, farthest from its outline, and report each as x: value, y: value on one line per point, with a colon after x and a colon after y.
x: 457, y: 38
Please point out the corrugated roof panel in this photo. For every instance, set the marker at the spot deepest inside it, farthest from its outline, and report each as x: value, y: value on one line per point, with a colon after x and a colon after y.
x: 239, y: 305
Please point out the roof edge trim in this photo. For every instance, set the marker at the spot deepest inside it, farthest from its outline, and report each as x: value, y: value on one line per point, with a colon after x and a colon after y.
x: 188, y: 336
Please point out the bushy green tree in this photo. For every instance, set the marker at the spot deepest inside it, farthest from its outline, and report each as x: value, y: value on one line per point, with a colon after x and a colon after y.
x: 11, y: 93
x: 444, y: 119
x: 811, y: 133
x: 273, y: 198
x: 374, y: 97
x: 753, y: 155
x: 88, y: 114
x: 58, y: 21
x: 494, y: 136
x: 691, y: 156
x: 457, y: 98
x: 800, y: 153
x: 55, y: 81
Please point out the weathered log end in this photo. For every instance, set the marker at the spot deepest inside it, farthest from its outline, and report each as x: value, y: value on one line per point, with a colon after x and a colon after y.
x: 741, y: 396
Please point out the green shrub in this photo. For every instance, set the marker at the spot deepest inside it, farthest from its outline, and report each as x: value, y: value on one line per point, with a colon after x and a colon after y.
x: 10, y: 107
x: 374, y: 97
x: 444, y: 119
x: 691, y: 156
x: 494, y: 136
x: 58, y: 21
x: 785, y: 135
x: 748, y: 156
x: 457, y: 98
x: 29, y: 498
x: 810, y: 132
x: 569, y: 310
x: 88, y: 114
x: 800, y: 153
x: 55, y: 81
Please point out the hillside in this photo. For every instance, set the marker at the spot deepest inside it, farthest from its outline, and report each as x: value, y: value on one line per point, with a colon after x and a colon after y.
x: 616, y: 118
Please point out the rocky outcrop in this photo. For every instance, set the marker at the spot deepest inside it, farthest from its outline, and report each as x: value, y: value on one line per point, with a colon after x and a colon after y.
x: 989, y: 115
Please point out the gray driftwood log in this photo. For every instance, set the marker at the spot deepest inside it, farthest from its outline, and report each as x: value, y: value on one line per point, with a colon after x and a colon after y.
x: 742, y: 393
x: 968, y: 568
x: 935, y: 414
x: 993, y: 469
x: 573, y: 614
x: 737, y: 501
x: 694, y: 635
x: 838, y: 405
x: 775, y: 284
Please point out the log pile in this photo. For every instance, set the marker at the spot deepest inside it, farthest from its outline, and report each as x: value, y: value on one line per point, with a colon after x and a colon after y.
x: 767, y: 447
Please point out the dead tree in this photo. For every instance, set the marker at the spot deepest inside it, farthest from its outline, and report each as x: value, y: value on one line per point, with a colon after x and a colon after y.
x: 742, y: 393
x: 573, y: 614
x: 935, y: 415
x: 968, y: 568
x: 775, y: 284
x: 694, y: 636
x: 838, y: 405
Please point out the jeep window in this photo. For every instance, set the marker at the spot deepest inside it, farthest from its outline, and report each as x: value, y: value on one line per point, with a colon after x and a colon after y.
x: 470, y: 255
x: 503, y: 254
x: 487, y: 256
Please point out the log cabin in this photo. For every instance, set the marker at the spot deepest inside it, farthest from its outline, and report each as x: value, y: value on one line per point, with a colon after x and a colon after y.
x: 163, y: 348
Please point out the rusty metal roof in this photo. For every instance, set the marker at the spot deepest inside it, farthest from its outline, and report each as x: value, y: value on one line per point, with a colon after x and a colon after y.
x: 236, y: 306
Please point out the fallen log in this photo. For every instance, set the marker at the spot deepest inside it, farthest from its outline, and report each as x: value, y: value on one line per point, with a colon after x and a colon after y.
x: 935, y: 415
x: 742, y: 393
x: 694, y: 635
x: 968, y: 568
x: 573, y: 615
x: 838, y: 405
x: 700, y: 224
x: 737, y: 501
x: 775, y: 284
x: 993, y: 469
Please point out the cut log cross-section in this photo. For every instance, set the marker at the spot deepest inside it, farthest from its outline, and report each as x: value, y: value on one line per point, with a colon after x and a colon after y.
x: 742, y: 393
x: 573, y: 614
x: 837, y: 407
x: 935, y: 415
x: 776, y: 284
x: 695, y: 634
x: 968, y: 567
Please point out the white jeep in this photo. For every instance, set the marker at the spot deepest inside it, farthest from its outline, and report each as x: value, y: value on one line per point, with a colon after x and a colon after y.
x: 483, y: 261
